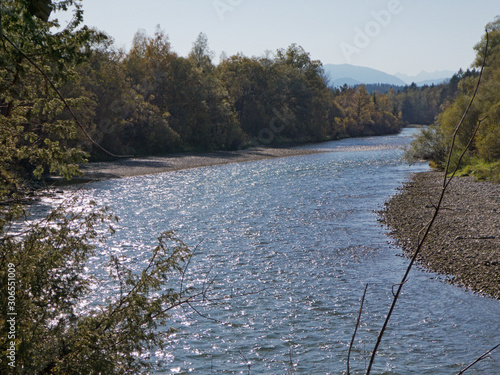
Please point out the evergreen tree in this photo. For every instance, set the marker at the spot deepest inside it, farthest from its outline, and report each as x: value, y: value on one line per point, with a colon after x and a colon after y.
x: 43, y: 329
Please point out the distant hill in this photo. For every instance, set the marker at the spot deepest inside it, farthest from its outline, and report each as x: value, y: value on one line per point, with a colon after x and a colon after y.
x: 345, y: 81
x: 340, y: 74
x: 426, y: 78
x: 352, y: 75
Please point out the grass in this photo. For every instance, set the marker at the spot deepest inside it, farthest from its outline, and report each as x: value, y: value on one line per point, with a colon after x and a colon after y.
x: 481, y: 170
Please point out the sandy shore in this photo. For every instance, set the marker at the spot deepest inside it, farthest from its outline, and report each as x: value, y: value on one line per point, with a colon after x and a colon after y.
x: 465, y: 240
x: 152, y: 165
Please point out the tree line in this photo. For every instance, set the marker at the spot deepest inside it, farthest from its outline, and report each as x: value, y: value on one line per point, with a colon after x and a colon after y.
x: 152, y: 101
x: 421, y: 105
x: 65, y: 90
x: 480, y: 133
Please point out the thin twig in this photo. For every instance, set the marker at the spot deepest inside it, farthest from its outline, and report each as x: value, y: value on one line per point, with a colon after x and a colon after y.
x: 479, y: 359
x: 394, y: 294
x: 247, y: 362
x: 355, y: 331
x: 184, y: 271
x: 446, y: 182
x: 203, y: 315
x: 291, y: 370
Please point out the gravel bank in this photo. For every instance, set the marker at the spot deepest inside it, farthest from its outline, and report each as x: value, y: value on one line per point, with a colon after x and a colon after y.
x: 465, y: 240
x: 150, y: 165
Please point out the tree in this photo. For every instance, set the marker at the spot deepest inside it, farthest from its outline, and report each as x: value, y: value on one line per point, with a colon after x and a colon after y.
x: 367, y: 114
x: 201, y: 54
x: 43, y: 331
x: 483, y: 153
x: 246, y: 82
x: 488, y: 142
x: 185, y: 92
x: 124, y: 121
x: 37, y: 133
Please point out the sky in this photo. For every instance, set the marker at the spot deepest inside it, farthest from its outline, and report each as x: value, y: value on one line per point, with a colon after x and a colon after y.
x: 395, y: 36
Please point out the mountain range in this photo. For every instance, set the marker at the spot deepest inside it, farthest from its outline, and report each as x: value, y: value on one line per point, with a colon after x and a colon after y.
x: 352, y: 75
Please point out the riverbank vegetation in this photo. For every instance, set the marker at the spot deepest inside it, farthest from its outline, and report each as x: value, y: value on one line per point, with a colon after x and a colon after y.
x: 46, y: 325
x: 151, y: 101
x: 67, y: 96
x: 483, y: 157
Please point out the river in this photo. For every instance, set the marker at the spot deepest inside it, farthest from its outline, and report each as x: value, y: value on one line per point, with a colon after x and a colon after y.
x: 295, y: 240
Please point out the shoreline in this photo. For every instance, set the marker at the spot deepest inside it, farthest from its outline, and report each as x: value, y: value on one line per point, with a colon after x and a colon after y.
x: 160, y: 164
x: 464, y: 243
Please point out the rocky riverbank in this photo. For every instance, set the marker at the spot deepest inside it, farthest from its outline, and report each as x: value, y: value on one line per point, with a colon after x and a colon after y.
x: 464, y: 242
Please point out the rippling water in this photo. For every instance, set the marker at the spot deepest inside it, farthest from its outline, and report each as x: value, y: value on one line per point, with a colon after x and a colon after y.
x: 304, y: 232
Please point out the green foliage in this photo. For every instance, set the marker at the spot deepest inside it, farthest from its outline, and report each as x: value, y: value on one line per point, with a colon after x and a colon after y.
x: 44, y: 258
x: 201, y: 54
x: 281, y: 99
x: 483, y: 154
x: 481, y: 170
x: 422, y: 105
x: 152, y: 101
x: 36, y: 132
x: 366, y: 114
x: 53, y: 334
x: 428, y: 146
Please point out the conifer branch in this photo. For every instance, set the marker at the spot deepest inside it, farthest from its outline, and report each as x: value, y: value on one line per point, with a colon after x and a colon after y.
x: 61, y: 97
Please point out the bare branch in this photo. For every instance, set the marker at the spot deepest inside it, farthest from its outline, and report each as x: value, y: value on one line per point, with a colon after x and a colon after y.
x: 480, y: 358
x: 247, y: 362
x: 446, y: 182
x: 184, y: 271
x: 355, y: 331
x: 203, y: 315
x: 398, y: 285
x: 290, y: 369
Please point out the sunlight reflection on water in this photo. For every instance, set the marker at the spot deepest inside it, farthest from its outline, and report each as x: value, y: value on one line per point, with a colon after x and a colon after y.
x: 305, y: 230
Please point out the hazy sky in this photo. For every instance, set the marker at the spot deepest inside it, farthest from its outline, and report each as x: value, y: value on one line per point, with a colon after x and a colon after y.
x: 405, y: 36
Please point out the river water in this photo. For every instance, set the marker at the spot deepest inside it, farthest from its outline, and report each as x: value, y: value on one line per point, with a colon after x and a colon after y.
x: 294, y: 241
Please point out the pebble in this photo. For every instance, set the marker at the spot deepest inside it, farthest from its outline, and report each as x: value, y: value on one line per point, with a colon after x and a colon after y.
x: 464, y: 241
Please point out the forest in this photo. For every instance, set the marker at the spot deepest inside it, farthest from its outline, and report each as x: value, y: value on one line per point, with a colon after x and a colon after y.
x: 151, y: 101
x: 67, y: 96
